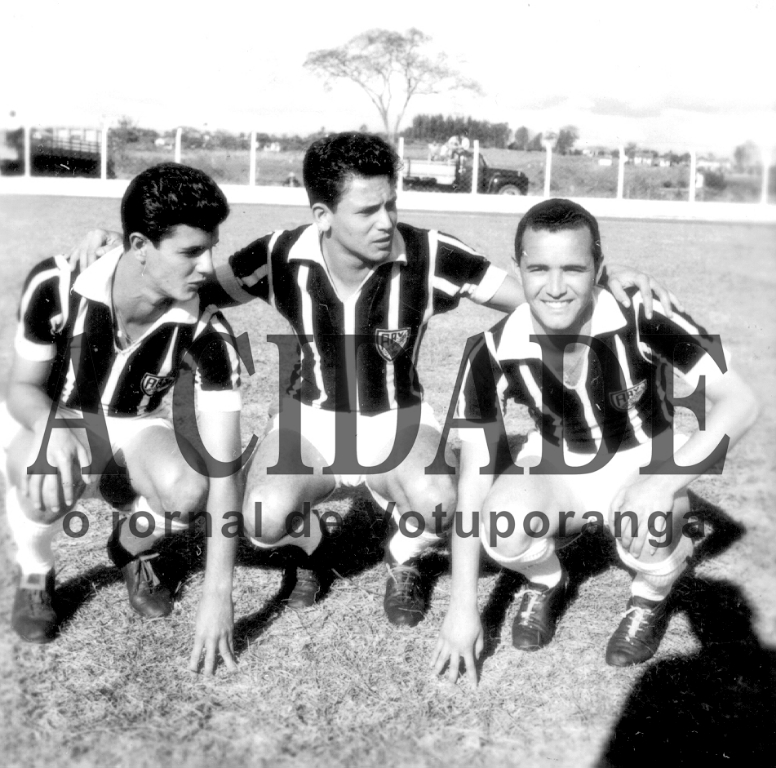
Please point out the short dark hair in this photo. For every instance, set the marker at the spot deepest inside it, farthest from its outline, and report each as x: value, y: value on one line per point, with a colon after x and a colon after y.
x: 329, y: 164
x: 166, y: 195
x: 555, y: 215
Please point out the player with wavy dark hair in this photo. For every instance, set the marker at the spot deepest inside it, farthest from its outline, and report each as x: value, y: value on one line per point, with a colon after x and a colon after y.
x: 96, y: 356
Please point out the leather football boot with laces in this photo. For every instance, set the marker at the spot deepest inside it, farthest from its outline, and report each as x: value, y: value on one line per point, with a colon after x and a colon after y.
x: 33, y: 617
x: 148, y: 596
x: 637, y: 638
x: 306, y: 589
x: 404, y: 603
x: 537, y: 616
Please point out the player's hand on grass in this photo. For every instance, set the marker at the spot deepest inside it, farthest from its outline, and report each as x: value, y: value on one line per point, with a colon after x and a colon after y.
x: 644, y: 498
x: 67, y: 453
x: 460, y: 639
x: 213, y: 635
x: 96, y: 243
x: 621, y: 278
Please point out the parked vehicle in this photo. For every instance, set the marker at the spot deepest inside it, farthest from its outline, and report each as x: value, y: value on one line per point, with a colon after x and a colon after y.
x: 51, y: 156
x: 455, y: 175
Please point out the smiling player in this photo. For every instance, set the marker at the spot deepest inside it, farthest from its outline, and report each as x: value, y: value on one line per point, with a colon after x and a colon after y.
x: 593, y: 375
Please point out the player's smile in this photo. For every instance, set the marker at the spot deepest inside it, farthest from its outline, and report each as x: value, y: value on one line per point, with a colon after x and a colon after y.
x: 558, y: 275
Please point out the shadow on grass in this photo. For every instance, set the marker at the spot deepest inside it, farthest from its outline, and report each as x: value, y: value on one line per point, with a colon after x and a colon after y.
x: 75, y: 592
x: 593, y: 552
x: 583, y: 557
x: 353, y: 541
x: 713, y: 707
x: 716, y: 706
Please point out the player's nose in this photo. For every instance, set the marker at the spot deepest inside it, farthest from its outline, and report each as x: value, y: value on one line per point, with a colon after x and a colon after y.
x: 205, y: 262
x: 386, y: 221
x: 556, y: 284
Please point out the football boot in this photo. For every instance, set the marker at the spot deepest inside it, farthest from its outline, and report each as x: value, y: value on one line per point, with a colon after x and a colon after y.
x: 405, y: 602
x: 537, y: 616
x: 33, y: 617
x: 637, y: 638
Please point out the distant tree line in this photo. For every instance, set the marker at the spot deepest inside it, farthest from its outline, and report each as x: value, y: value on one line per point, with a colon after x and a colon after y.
x: 439, y: 128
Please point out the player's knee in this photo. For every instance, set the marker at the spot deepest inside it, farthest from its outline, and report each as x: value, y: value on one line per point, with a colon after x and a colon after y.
x: 427, y: 493
x: 183, y: 491
x: 266, y: 514
x: 505, y: 532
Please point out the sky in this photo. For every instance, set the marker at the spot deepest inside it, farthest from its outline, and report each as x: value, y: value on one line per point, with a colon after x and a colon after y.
x: 676, y: 74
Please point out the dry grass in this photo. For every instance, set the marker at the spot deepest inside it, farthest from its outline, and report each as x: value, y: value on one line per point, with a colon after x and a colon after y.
x: 336, y: 685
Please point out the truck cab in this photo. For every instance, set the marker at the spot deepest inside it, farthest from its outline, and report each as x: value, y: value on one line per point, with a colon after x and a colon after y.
x: 455, y: 175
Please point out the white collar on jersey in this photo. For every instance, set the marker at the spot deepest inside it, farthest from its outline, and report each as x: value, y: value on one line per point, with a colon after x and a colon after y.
x: 308, y: 248
x: 515, y: 345
x: 94, y: 283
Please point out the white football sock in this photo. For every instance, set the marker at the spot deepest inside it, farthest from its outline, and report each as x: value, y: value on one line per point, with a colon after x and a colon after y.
x: 33, y: 540
x: 654, y: 580
x: 538, y: 563
x: 145, y: 538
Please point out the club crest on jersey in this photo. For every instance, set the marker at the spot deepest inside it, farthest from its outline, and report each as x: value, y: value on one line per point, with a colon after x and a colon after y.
x: 391, y: 343
x: 152, y: 384
x: 627, y: 398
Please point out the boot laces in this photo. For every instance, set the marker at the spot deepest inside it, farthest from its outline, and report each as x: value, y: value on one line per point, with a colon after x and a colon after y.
x: 530, y: 598
x: 638, y: 619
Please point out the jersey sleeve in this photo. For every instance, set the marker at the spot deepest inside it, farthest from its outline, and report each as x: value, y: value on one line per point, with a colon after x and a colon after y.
x: 479, y: 400
x: 217, y: 374
x: 42, y: 310
x: 460, y: 272
x: 681, y: 342
x: 244, y: 277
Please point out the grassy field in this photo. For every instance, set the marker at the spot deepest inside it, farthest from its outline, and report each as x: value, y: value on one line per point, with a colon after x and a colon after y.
x: 336, y: 685
x: 572, y: 175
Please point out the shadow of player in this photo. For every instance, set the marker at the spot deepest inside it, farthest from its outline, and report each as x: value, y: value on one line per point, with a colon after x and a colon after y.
x: 714, y: 707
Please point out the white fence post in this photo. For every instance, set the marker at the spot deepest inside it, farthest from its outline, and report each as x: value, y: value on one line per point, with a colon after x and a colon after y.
x: 621, y: 174
x: 400, y: 180
x: 765, y: 153
x: 178, y: 145
x: 252, y: 169
x: 693, y: 173
x: 27, y: 152
x: 547, y: 168
x: 476, y: 167
x: 104, y: 151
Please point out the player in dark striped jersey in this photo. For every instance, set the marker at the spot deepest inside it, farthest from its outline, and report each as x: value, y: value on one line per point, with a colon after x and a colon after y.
x: 103, y: 348
x: 595, y: 377
x: 358, y: 289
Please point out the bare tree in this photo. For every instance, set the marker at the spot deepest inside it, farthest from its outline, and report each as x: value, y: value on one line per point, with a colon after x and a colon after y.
x: 391, y: 68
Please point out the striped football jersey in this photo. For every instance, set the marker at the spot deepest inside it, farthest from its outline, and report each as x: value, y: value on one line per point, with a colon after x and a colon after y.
x: 428, y: 273
x: 67, y: 318
x: 619, y: 394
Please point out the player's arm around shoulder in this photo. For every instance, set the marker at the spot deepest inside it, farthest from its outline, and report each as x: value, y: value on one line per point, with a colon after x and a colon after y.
x: 213, y: 636
x: 461, y: 636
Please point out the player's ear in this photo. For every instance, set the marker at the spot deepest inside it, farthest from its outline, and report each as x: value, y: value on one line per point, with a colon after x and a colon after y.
x: 137, y: 244
x: 322, y: 217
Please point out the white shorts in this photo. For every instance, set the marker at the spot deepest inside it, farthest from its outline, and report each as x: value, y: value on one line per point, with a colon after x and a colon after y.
x: 120, y: 429
x: 374, y: 436
x: 595, y: 491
